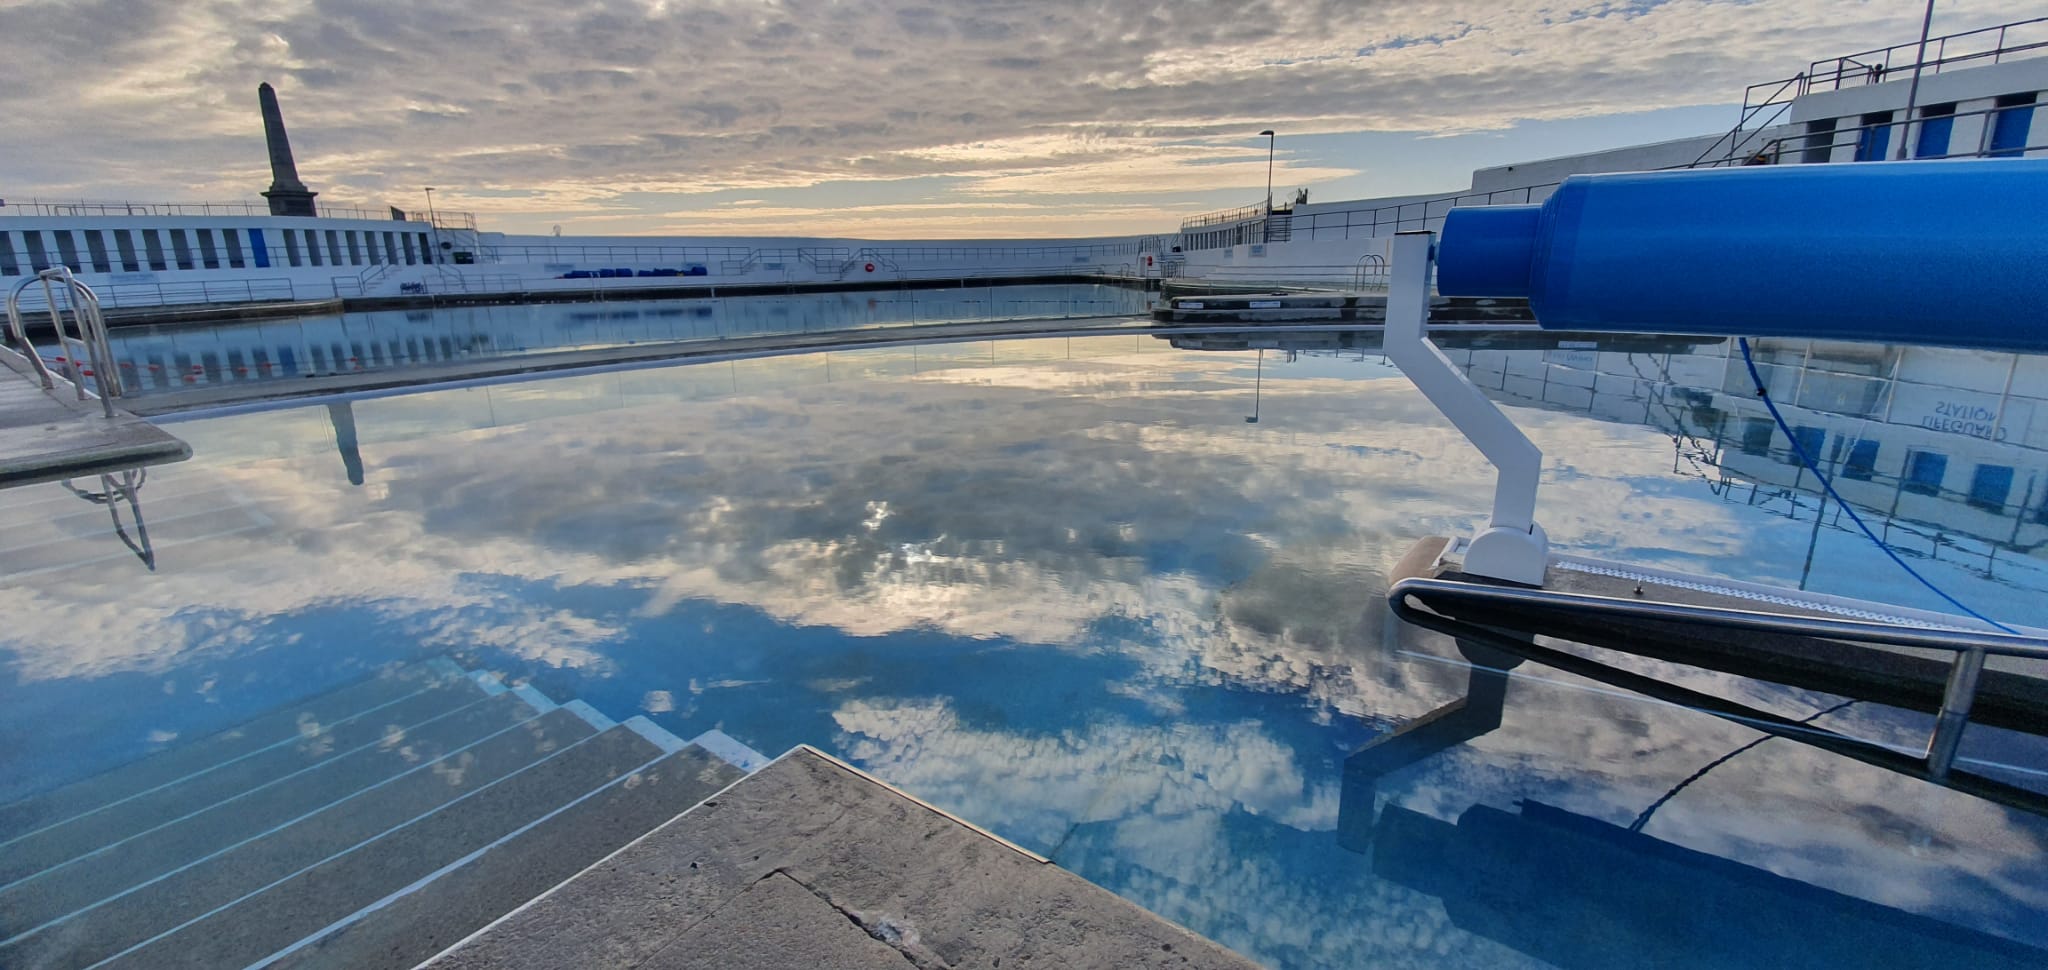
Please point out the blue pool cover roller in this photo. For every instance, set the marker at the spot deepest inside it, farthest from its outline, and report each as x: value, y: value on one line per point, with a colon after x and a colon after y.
x: 1950, y: 252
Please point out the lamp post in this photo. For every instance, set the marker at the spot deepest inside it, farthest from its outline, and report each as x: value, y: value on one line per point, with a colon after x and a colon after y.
x: 433, y: 225
x: 1270, y: 139
x: 1913, y: 89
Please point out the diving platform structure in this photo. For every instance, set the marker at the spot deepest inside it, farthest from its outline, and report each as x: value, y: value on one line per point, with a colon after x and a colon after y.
x: 1619, y: 254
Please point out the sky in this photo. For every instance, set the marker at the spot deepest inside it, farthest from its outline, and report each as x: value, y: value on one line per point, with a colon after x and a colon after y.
x: 878, y: 118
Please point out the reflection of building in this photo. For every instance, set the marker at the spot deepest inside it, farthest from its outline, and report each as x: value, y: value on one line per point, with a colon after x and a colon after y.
x: 1942, y: 443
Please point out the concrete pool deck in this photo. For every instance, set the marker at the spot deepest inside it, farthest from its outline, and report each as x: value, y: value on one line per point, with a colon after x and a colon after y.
x: 811, y: 863
x: 46, y: 435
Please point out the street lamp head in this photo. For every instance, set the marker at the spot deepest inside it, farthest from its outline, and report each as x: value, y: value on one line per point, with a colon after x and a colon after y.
x: 1268, y: 131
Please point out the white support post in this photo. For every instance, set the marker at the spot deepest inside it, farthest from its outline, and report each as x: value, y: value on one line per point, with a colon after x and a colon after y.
x: 1512, y: 546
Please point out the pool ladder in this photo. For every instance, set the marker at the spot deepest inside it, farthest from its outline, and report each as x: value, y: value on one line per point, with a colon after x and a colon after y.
x: 90, y: 342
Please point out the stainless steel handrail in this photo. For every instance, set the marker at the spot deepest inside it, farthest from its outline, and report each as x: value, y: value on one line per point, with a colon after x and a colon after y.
x: 1959, y: 694
x: 84, y: 306
x: 1954, y: 641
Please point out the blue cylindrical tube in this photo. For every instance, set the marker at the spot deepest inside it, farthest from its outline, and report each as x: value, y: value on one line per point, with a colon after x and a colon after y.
x: 1949, y: 252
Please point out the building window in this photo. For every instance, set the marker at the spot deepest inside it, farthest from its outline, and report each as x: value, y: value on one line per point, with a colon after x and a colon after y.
x: 1756, y: 436
x: 8, y: 267
x: 67, y: 250
x: 181, y: 248
x: 1808, y: 440
x: 333, y: 247
x: 355, y: 248
x: 426, y: 250
x: 1862, y: 463
x: 96, y: 249
x: 38, y: 258
x: 1936, y: 122
x: 1989, y: 486
x: 1924, y: 472
x: 259, y: 251
x: 291, y: 246
x: 410, y: 257
x: 153, y: 247
x: 370, y: 243
x: 209, y: 257
x: 2009, y: 126
x: 1875, y: 137
x: 391, y: 248
x: 232, y: 239
x: 124, y: 246
x: 313, y: 247
x: 1820, y: 140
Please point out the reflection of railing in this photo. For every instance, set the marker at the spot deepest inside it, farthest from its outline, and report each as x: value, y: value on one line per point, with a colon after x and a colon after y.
x: 116, y: 488
x: 90, y: 326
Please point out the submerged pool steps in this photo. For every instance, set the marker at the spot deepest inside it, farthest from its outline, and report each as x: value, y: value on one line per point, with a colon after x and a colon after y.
x: 411, y: 809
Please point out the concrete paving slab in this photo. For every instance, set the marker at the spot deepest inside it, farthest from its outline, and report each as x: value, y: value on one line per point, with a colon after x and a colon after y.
x: 938, y: 891
x: 776, y: 924
x: 49, y: 435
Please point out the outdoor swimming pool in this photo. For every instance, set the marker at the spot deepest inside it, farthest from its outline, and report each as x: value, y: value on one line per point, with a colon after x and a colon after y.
x: 1065, y: 588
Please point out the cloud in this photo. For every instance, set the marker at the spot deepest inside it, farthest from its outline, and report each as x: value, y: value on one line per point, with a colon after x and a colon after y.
x: 547, y: 111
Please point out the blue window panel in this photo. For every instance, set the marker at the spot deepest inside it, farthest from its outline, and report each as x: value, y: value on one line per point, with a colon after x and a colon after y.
x: 1934, y: 135
x: 1756, y: 436
x: 1872, y: 141
x: 257, y: 250
x: 1924, y: 472
x: 1862, y: 462
x: 1808, y: 440
x: 1989, y: 487
x: 2009, y: 131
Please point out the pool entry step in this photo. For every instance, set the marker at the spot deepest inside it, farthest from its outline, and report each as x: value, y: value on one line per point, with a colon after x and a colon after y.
x: 370, y: 827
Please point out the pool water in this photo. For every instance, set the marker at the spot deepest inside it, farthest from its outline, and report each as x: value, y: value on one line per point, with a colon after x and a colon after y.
x: 1066, y: 589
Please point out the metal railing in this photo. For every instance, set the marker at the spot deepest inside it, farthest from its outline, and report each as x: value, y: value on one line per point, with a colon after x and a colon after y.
x: 118, y: 295
x: 1820, y: 146
x: 1970, y: 647
x: 1387, y: 220
x: 1876, y: 66
x: 1256, y: 210
x: 1781, y: 96
x: 91, y: 326
x: 1371, y: 274
x: 445, y: 219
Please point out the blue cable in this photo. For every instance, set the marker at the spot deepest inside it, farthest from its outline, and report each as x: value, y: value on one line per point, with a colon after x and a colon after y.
x: 1807, y: 460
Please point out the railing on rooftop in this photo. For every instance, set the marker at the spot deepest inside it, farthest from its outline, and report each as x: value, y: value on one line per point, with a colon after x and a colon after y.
x: 1240, y: 214
x: 1876, y: 142
x: 1985, y: 44
x: 442, y: 218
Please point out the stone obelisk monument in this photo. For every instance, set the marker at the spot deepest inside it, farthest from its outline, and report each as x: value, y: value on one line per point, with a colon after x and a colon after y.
x: 288, y: 196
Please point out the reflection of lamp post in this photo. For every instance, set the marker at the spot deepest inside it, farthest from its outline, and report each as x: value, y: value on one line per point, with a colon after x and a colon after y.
x: 1258, y: 383
x: 1270, y: 139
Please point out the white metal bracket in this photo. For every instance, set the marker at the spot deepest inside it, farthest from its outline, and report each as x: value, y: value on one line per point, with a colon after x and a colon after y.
x: 1512, y: 546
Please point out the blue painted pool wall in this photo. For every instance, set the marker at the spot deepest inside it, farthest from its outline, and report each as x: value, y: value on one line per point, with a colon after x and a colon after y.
x: 1940, y: 252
